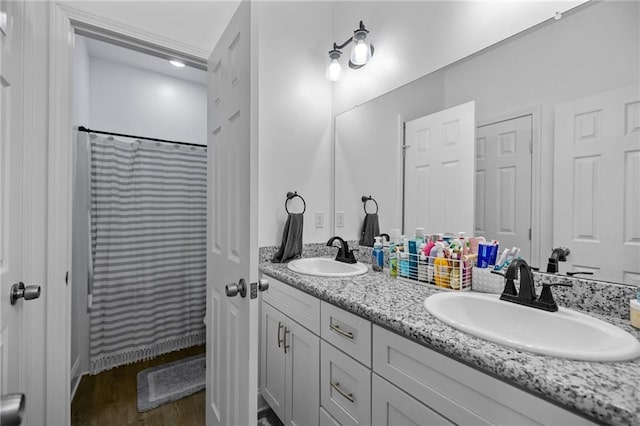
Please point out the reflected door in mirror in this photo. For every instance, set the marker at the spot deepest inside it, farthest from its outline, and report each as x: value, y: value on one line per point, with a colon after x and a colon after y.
x: 439, y: 171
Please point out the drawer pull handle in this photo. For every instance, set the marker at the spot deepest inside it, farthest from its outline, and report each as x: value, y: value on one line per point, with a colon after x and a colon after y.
x: 341, y: 332
x: 337, y: 387
x: 280, y: 326
x: 286, y: 331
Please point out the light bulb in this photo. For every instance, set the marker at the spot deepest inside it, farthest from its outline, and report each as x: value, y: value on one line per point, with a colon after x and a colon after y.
x: 361, y: 52
x: 334, y: 70
x: 176, y: 63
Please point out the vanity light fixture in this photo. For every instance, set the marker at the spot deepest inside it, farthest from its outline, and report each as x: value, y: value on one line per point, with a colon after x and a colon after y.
x: 361, y: 53
x: 176, y: 63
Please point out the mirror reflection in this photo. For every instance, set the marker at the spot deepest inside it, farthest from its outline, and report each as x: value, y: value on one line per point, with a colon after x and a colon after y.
x: 557, y: 146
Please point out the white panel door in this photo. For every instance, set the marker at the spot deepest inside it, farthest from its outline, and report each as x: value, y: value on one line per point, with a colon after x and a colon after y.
x: 503, y: 183
x: 596, y: 200
x: 440, y: 171
x: 11, y: 163
x: 232, y: 247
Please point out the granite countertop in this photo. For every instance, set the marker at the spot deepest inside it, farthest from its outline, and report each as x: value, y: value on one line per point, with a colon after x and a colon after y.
x: 608, y: 392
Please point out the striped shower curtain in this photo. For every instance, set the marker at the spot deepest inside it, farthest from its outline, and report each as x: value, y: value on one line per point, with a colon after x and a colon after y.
x: 148, y: 236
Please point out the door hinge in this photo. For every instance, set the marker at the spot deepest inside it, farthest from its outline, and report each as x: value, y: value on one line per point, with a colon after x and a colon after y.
x: 529, y: 234
x: 531, y: 147
x: 66, y: 278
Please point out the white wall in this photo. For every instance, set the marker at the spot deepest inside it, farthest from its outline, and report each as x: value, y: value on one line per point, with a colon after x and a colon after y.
x: 414, y: 38
x: 131, y: 100
x: 295, y: 133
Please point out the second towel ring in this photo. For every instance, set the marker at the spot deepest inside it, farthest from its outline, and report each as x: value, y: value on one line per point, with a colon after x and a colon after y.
x: 369, y: 198
x: 291, y: 195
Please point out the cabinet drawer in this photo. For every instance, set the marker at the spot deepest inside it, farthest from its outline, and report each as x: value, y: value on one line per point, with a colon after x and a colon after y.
x: 460, y: 393
x: 347, y: 331
x: 297, y: 305
x: 345, y: 387
x: 391, y: 407
x: 326, y: 419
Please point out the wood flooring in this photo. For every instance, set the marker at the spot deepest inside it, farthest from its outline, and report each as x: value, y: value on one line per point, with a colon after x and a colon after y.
x: 109, y: 398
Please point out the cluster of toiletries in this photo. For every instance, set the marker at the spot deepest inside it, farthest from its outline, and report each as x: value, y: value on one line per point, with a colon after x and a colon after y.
x: 438, y: 259
x: 488, y: 255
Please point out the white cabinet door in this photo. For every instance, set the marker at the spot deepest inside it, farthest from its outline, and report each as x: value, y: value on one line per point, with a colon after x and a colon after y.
x: 596, y: 194
x: 232, y: 223
x: 440, y: 171
x: 303, y: 376
x: 272, y: 359
x: 391, y: 407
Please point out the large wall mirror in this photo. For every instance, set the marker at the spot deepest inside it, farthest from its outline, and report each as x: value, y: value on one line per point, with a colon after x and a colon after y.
x: 557, y: 142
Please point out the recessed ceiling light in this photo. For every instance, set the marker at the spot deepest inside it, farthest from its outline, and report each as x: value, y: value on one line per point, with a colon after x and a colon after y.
x: 176, y: 63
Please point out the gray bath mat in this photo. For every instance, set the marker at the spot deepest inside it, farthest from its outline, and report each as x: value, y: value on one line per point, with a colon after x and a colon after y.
x: 170, y: 382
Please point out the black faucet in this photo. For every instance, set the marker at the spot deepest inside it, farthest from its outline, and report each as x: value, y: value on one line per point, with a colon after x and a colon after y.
x: 344, y: 254
x: 558, y: 254
x: 527, y: 294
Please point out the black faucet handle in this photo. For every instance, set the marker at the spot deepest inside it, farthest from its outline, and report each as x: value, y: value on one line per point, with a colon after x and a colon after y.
x: 546, y: 297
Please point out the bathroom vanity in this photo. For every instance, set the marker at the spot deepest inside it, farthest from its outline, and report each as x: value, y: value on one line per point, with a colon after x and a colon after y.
x: 363, y: 350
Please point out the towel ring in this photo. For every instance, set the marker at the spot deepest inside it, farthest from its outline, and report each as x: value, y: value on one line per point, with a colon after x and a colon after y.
x: 291, y: 195
x: 369, y: 198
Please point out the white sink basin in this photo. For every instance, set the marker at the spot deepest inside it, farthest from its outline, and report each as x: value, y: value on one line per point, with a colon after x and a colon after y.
x: 326, y: 267
x: 564, y: 334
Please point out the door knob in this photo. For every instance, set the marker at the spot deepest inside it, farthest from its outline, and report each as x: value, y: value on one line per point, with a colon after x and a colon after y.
x: 231, y: 290
x: 263, y: 284
x: 11, y: 409
x: 19, y: 290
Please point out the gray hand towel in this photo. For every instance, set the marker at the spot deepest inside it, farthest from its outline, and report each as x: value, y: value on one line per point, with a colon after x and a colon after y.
x: 291, y: 247
x: 370, y: 229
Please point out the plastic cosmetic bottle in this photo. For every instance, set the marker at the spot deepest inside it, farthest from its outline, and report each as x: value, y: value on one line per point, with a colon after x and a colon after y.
x: 422, y: 267
x: 404, y: 264
x: 377, y: 255
x: 441, y: 271
x: 455, y: 271
x: 393, y: 260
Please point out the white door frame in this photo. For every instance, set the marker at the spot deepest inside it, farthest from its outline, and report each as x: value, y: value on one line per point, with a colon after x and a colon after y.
x: 64, y: 20
x: 541, y: 219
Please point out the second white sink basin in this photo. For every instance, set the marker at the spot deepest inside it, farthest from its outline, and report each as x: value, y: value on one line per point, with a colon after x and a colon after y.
x: 564, y: 334
x: 326, y: 267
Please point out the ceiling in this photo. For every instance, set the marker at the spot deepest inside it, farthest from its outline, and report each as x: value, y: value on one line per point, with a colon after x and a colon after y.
x: 100, y: 49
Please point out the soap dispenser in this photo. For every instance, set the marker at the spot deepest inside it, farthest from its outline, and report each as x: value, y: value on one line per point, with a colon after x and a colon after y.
x: 377, y: 255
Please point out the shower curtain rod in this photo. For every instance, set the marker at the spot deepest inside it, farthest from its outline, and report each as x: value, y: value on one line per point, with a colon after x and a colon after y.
x: 84, y: 129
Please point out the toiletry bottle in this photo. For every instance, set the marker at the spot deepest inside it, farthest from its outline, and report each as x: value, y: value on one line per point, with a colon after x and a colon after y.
x: 456, y: 264
x: 404, y: 264
x: 433, y: 253
x: 441, y: 270
x: 377, y: 255
x: 393, y: 260
x: 427, y: 249
x: 413, y: 258
x: 422, y: 265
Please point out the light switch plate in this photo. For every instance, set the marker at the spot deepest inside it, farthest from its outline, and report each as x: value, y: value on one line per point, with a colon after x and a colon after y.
x: 339, y: 219
x: 319, y: 219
